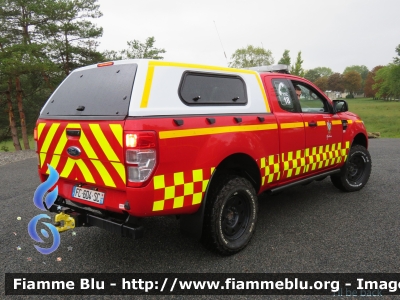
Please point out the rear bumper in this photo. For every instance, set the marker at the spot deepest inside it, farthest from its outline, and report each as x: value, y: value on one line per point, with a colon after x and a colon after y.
x: 125, y: 226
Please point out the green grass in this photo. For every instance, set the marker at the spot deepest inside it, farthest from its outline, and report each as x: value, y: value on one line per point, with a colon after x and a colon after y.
x: 378, y: 115
x: 8, y: 144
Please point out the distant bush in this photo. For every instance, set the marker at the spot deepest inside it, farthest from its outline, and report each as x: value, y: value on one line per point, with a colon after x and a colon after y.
x: 350, y: 96
x: 4, y: 148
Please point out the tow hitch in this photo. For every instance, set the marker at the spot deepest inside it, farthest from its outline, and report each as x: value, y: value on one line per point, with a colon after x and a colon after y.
x: 70, y: 217
x: 64, y: 222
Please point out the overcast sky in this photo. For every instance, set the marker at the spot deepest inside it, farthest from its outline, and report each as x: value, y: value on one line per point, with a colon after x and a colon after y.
x: 333, y: 34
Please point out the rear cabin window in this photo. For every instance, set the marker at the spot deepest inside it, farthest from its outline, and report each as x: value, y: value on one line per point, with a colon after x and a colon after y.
x: 212, y: 89
x: 95, y: 92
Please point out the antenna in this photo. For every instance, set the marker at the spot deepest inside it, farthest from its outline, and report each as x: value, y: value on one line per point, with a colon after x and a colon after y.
x: 221, y: 42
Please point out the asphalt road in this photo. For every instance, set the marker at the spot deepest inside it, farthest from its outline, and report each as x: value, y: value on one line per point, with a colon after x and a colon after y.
x: 313, y: 228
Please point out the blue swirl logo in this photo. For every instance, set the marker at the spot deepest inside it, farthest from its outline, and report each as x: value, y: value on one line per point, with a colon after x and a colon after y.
x: 48, y: 202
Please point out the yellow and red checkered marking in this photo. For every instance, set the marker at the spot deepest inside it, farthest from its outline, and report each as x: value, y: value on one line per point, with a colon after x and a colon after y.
x: 101, y: 144
x: 181, y: 189
x: 294, y: 163
x: 269, y: 167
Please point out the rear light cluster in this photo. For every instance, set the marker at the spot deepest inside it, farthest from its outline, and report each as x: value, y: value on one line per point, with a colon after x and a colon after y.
x: 140, y: 156
x: 35, y: 138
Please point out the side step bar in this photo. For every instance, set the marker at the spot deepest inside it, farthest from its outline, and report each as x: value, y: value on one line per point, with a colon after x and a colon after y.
x: 306, y: 180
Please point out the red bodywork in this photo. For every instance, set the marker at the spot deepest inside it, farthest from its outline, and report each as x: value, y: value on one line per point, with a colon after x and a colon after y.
x: 282, y: 145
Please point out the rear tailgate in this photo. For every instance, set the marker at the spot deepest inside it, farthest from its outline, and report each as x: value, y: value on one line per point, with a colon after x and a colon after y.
x: 89, y: 152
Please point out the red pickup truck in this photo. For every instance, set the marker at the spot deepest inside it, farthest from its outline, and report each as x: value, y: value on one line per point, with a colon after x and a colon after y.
x: 143, y: 138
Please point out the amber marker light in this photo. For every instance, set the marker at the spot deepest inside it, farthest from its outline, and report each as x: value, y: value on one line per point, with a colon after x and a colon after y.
x: 35, y: 137
x: 131, y: 140
x: 106, y: 64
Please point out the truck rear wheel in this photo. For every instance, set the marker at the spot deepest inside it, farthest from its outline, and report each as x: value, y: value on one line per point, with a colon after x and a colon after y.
x: 230, y: 215
x: 355, y: 172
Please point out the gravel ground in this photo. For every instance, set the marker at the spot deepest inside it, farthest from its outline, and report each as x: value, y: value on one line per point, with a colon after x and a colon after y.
x: 8, y: 157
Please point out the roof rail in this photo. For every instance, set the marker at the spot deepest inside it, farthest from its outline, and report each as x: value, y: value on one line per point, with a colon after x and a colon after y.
x: 280, y: 68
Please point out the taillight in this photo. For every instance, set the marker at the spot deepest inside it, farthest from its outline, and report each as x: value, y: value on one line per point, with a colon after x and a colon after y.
x: 140, y: 156
x: 35, y: 134
x: 35, y: 138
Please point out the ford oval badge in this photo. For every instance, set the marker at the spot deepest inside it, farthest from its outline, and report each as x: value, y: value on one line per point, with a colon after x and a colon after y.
x: 74, y: 151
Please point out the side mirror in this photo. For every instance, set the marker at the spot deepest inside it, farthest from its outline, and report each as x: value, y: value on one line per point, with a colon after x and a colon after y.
x: 340, y: 106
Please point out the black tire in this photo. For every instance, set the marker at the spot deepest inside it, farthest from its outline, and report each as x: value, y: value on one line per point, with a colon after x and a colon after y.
x: 355, y: 173
x: 230, y: 215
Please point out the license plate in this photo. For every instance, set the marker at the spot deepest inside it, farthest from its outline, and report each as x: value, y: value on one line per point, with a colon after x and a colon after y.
x: 88, y: 195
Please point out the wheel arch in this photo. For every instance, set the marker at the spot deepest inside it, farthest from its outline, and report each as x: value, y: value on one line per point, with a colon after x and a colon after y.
x: 237, y: 163
x: 360, y: 139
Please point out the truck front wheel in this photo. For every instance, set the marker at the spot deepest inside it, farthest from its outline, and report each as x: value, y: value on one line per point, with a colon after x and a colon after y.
x: 230, y: 215
x: 355, y: 172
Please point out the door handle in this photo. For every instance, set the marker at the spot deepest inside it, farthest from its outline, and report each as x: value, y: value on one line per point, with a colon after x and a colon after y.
x: 312, y: 124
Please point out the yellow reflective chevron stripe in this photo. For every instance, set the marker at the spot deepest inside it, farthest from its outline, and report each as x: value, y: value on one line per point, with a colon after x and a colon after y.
x: 85, y: 171
x: 54, y: 162
x: 49, y: 137
x: 104, y: 174
x: 61, y: 144
x: 67, y: 168
x: 117, y: 131
x: 42, y: 159
x: 81, y: 165
x: 120, y: 169
x: 40, y: 129
x: 104, y: 144
x: 93, y: 141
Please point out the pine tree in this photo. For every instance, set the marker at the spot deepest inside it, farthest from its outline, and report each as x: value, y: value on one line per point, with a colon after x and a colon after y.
x: 285, y: 60
x: 297, y: 68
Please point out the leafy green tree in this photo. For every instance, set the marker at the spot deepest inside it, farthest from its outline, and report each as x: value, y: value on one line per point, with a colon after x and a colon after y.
x: 143, y: 50
x: 324, y: 71
x: 369, y: 91
x: 362, y: 70
x: 318, y: 72
x: 312, y: 75
x: 396, y: 60
x: 251, y: 57
x: 387, y: 79
x: 352, y: 81
x: 285, y: 60
x: 335, y: 82
x: 297, y: 69
x: 388, y: 82
x: 382, y: 84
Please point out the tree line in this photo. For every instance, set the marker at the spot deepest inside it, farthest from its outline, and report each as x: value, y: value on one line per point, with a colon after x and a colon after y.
x: 41, y: 42
x: 382, y: 82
